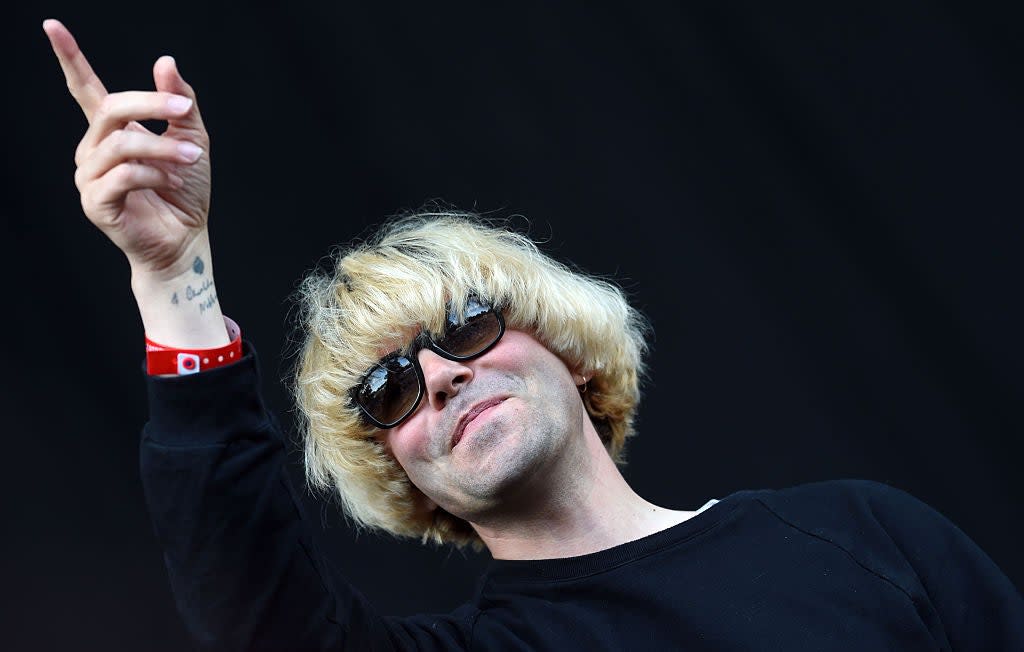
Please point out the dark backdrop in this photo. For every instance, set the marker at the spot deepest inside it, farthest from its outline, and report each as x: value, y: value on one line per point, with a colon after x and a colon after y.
x: 819, y: 210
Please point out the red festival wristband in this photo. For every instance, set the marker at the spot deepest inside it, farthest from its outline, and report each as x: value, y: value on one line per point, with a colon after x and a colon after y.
x: 162, y: 359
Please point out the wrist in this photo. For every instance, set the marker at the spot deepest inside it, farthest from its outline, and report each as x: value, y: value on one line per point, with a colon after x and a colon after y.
x: 162, y: 360
x: 181, y: 310
x: 157, y: 269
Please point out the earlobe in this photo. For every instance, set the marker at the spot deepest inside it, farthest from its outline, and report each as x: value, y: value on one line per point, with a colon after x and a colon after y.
x: 580, y: 380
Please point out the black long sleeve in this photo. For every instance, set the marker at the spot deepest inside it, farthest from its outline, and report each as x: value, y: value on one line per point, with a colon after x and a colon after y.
x: 958, y: 591
x: 979, y: 606
x: 242, y: 564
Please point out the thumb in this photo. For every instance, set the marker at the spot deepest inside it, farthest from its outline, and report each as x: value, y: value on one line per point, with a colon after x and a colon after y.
x: 169, y: 80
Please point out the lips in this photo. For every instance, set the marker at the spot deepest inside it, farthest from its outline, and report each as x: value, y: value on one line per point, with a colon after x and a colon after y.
x: 472, y: 413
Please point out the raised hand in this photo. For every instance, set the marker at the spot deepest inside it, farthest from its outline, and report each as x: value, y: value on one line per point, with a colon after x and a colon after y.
x: 149, y: 193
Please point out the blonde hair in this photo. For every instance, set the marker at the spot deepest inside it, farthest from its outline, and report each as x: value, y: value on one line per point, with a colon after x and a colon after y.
x: 402, y: 279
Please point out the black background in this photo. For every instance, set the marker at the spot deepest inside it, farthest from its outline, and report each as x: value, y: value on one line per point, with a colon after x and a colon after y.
x: 818, y: 209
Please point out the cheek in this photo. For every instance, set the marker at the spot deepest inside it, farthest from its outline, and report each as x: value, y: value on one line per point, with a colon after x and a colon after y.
x: 537, y: 364
x: 521, y: 351
x: 408, y: 441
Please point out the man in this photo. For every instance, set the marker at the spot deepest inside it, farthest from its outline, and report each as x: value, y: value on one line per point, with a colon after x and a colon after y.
x: 457, y: 385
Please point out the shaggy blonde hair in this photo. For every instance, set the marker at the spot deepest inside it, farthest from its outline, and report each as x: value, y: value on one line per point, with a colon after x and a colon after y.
x: 382, y: 290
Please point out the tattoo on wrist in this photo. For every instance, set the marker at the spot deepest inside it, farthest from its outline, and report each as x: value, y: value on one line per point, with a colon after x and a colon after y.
x: 205, y: 295
x: 208, y: 302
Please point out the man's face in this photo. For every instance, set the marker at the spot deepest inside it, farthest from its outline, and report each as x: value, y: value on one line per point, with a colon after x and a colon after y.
x: 515, y: 411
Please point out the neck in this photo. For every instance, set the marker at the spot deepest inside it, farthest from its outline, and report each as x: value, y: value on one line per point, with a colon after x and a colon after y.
x: 592, y: 508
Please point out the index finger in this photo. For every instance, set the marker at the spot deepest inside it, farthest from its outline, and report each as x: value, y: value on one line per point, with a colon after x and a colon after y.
x: 85, y: 86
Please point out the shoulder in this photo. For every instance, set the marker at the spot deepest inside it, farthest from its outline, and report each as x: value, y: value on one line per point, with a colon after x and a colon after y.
x: 830, y: 494
x: 880, y: 525
x: 910, y: 544
x: 847, y: 511
x: 843, y: 504
x: 826, y: 493
x: 847, y: 487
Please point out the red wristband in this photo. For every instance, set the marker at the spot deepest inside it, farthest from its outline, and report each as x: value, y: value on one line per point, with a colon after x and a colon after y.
x: 162, y: 359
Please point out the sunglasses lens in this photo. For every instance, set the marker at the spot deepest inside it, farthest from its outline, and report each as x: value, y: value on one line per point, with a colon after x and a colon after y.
x: 481, y: 329
x: 390, y: 390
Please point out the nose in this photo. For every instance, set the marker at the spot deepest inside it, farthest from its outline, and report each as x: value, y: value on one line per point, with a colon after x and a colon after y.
x: 444, y: 378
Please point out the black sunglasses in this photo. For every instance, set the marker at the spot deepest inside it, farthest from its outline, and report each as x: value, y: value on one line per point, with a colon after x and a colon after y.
x: 391, y: 390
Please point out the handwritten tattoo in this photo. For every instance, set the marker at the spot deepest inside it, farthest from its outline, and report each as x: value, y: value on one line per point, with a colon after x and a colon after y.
x: 191, y: 293
x: 208, y: 303
x: 205, y: 295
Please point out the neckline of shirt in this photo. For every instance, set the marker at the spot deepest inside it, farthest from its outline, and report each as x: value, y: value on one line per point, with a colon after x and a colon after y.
x: 568, y: 568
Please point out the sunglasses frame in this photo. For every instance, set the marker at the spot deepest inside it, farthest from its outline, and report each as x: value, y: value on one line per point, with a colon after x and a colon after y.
x: 423, y: 341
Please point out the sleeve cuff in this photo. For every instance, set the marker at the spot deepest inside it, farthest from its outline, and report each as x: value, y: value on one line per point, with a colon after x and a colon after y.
x: 211, y: 407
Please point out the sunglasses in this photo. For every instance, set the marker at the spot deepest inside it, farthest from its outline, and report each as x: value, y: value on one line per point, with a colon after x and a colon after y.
x: 392, y: 389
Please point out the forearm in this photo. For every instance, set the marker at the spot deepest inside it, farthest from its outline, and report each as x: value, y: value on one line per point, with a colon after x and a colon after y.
x: 180, y: 307
x: 239, y: 557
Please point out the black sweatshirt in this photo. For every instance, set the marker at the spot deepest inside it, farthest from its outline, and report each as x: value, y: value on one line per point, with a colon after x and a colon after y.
x: 843, y: 565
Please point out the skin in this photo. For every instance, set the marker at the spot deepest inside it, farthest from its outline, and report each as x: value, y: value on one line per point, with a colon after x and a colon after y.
x: 481, y: 474
x: 531, y: 475
x: 149, y: 193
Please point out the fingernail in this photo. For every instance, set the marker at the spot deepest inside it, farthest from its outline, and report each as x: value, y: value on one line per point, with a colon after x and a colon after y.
x: 179, y: 104
x: 176, y: 181
x: 189, y: 152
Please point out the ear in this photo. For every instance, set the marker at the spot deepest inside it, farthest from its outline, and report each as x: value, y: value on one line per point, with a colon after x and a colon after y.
x: 580, y: 379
